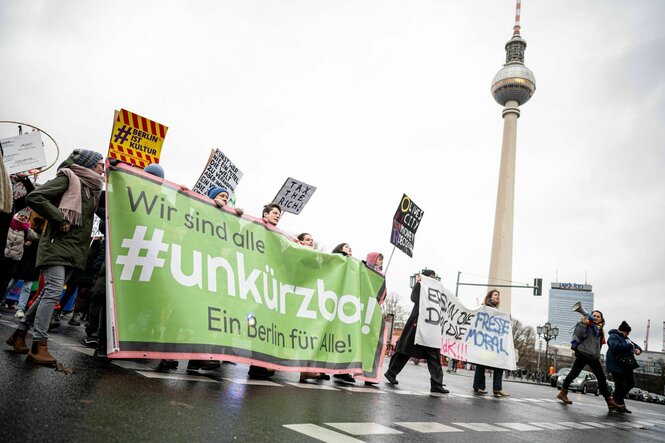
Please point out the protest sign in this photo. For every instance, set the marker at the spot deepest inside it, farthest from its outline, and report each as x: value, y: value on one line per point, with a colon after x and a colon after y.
x: 482, y: 336
x: 405, y: 224
x: 294, y: 195
x: 218, y: 172
x: 135, y: 139
x: 188, y: 280
x: 23, y: 152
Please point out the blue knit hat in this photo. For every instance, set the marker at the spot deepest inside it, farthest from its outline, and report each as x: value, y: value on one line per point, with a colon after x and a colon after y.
x: 214, y: 192
x: 86, y: 158
x: 155, y: 169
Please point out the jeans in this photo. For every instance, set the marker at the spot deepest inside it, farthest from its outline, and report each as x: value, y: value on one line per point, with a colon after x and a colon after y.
x: 41, y: 310
x: 25, y: 295
x: 623, y: 382
x: 581, y: 361
x: 479, y: 378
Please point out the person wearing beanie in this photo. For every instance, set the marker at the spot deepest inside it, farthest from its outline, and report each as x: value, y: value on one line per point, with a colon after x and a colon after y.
x: 589, y: 335
x: 220, y: 196
x: 154, y: 169
x: 620, y: 346
x: 407, y: 347
x: 68, y: 202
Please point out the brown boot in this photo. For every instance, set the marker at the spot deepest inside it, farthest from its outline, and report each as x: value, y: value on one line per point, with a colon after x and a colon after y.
x: 39, y: 353
x: 17, y: 341
x: 563, y: 396
x: 611, y: 405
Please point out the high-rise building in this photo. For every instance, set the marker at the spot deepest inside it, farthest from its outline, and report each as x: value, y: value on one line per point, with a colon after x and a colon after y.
x: 562, y: 298
x: 512, y: 86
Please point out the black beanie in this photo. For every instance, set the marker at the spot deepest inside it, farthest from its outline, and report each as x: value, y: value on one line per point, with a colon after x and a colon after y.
x: 624, y: 327
x: 428, y: 272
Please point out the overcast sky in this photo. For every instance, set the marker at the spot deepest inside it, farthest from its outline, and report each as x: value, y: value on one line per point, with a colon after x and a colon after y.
x: 367, y: 100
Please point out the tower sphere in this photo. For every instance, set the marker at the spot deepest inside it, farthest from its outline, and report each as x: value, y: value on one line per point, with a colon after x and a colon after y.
x: 513, y: 82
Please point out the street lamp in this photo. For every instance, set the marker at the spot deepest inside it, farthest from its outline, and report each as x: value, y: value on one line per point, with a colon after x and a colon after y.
x: 548, y: 333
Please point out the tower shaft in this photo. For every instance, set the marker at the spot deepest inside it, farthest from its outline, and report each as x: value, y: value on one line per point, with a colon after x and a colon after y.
x: 501, y: 261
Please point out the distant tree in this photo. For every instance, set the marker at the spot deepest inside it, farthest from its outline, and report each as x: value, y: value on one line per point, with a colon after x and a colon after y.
x: 393, y: 305
x: 524, y: 340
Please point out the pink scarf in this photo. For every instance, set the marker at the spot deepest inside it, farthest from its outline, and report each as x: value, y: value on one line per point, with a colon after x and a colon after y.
x: 80, y: 178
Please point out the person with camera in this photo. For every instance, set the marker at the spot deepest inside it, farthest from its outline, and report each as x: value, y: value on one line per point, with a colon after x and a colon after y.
x: 588, y: 338
x: 620, y: 362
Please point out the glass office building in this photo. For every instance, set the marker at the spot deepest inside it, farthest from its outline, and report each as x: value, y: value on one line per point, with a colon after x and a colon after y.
x: 562, y: 298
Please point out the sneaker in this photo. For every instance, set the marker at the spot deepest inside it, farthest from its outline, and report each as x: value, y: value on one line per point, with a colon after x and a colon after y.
x: 501, y: 394
x: 75, y: 320
x: 480, y: 391
x: 323, y: 376
x: 204, y: 365
x: 19, y: 314
x: 439, y: 390
x: 391, y: 378
x: 91, y: 341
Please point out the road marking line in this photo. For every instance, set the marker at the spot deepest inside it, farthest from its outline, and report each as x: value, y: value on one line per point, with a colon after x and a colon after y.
x: 575, y: 425
x: 464, y: 395
x: 548, y: 400
x: 361, y: 389
x: 151, y: 374
x: 622, y: 425
x: 533, y: 400
x: 313, y: 386
x: 547, y: 425
x: 87, y: 351
x: 660, y: 422
x: 132, y: 365
x: 519, y: 400
x: 406, y: 392
x: 520, y: 426
x: 321, y: 433
x: 249, y: 381
x: 481, y: 427
x: 364, y: 428
x: 644, y: 422
x: 595, y: 425
x: 427, y: 427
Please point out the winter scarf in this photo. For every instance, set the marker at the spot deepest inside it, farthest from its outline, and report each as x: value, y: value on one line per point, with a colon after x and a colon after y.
x: 597, y: 330
x: 18, y: 225
x: 80, y: 178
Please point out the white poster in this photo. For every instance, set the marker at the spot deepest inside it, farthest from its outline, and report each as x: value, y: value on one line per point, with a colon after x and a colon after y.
x: 482, y: 336
x: 219, y: 172
x: 294, y: 195
x: 23, y: 152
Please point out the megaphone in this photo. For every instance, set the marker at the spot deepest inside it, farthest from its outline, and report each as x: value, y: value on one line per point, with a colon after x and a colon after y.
x: 577, y: 307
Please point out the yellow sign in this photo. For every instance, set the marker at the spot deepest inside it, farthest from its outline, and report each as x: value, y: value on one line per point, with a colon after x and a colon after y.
x: 135, y: 139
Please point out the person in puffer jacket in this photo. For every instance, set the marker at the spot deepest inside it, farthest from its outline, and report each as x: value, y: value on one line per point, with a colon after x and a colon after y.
x: 18, y: 236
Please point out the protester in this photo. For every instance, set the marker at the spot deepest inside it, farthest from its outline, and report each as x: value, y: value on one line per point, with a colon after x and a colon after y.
x: 621, y: 346
x: 76, y: 191
x: 220, y: 196
x: 306, y: 239
x: 375, y: 261
x: 588, y: 338
x: 345, y: 250
x: 18, y: 236
x: 26, y: 269
x: 492, y: 300
x: 407, y: 348
x: 13, y: 191
x: 270, y: 216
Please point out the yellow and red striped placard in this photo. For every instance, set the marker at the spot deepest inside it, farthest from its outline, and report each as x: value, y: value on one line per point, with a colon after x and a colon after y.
x: 136, y: 140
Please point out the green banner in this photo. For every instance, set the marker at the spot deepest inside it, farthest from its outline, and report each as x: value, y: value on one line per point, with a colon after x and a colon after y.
x: 190, y: 280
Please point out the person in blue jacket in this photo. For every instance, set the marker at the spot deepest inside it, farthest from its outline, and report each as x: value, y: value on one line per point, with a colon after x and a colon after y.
x: 620, y: 345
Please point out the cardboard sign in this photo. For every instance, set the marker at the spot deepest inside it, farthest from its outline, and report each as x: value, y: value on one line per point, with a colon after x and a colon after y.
x: 23, y: 152
x: 405, y: 224
x: 294, y: 195
x: 136, y: 140
x: 219, y: 172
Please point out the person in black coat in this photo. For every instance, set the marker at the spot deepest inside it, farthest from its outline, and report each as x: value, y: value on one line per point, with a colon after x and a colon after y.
x: 407, y: 348
x: 620, y: 345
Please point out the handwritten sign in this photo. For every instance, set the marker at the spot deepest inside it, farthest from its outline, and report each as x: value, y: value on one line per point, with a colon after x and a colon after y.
x: 483, y: 335
x: 294, y: 195
x: 23, y: 152
x: 135, y: 139
x: 218, y: 172
x: 405, y: 224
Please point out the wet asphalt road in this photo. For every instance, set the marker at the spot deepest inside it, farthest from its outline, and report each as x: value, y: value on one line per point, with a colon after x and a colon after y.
x: 107, y: 402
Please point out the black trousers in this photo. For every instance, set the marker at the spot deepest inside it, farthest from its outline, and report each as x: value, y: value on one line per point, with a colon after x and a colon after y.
x: 623, y: 382
x: 581, y: 361
x: 432, y: 355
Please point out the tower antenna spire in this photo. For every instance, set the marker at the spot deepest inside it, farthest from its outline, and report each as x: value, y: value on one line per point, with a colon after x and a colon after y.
x: 518, y: 11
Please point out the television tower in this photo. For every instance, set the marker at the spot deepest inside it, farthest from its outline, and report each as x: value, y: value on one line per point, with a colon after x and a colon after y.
x: 512, y: 86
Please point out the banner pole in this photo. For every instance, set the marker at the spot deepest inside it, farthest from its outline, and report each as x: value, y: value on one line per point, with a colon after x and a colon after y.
x: 389, y: 260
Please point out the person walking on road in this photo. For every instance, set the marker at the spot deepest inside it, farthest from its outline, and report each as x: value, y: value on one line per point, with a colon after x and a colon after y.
x: 621, y: 346
x: 492, y: 300
x: 588, y: 338
x: 68, y: 202
x: 407, y: 347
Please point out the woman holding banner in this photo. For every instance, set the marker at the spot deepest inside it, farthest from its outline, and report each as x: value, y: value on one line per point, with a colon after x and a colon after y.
x: 407, y: 347
x: 492, y: 300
